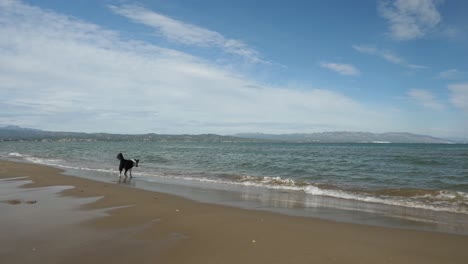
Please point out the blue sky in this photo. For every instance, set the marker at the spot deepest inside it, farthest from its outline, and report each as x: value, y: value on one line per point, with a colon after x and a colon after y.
x: 228, y: 67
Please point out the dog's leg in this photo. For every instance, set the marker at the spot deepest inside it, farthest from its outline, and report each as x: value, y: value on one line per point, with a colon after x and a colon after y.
x: 130, y: 173
x: 120, y: 170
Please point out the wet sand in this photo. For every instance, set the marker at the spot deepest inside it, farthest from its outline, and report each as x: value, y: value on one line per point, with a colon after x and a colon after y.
x: 47, y: 217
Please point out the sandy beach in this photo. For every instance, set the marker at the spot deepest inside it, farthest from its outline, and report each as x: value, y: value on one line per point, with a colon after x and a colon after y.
x: 48, y: 217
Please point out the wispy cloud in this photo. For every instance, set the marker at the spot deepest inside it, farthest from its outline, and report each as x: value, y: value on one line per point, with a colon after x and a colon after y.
x: 343, y: 69
x: 425, y: 98
x: 410, y: 19
x: 185, y: 33
x: 387, y: 55
x: 451, y: 74
x: 459, y: 96
x: 384, y: 54
x: 61, y: 73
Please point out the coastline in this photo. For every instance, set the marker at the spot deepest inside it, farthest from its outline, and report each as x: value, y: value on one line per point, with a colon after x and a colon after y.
x: 128, y: 224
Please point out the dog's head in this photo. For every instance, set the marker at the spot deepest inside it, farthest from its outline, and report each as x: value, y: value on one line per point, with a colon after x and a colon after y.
x: 136, y: 162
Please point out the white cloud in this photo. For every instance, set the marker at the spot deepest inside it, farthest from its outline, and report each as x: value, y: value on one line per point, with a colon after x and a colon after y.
x: 185, y: 33
x: 459, y: 96
x: 410, y: 19
x: 343, y: 69
x: 61, y: 73
x: 416, y: 66
x: 450, y: 74
x: 384, y: 54
x: 387, y: 55
x: 425, y: 98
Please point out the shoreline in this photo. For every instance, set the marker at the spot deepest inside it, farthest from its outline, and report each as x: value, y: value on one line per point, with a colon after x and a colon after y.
x: 147, y: 226
x: 284, y: 201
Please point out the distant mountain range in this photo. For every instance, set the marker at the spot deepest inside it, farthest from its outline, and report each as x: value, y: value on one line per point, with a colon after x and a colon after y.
x: 349, y: 137
x: 16, y: 133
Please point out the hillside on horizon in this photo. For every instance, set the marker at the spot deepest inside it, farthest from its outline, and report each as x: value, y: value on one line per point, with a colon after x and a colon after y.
x: 16, y: 133
x: 350, y: 137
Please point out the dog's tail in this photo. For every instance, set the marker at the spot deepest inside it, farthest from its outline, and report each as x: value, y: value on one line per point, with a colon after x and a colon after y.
x: 120, y: 156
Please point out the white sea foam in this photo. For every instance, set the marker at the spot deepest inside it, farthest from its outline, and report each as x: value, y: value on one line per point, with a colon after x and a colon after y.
x: 441, y: 205
x: 15, y: 154
x: 55, y: 163
x: 43, y: 161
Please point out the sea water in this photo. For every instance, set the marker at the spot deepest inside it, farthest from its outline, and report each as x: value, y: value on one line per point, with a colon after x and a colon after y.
x: 422, y: 186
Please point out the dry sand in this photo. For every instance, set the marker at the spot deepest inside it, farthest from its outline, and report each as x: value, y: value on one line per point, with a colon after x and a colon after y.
x: 37, y: 225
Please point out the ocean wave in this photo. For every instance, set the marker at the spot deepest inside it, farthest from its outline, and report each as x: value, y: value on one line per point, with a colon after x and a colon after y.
x: 437, y: 200
x: 440, y: 200
x: 269, y: 180
x: 15, y: 154
x: 54, y: 162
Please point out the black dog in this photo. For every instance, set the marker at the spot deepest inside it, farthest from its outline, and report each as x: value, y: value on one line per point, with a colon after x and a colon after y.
x: 126, y: 165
